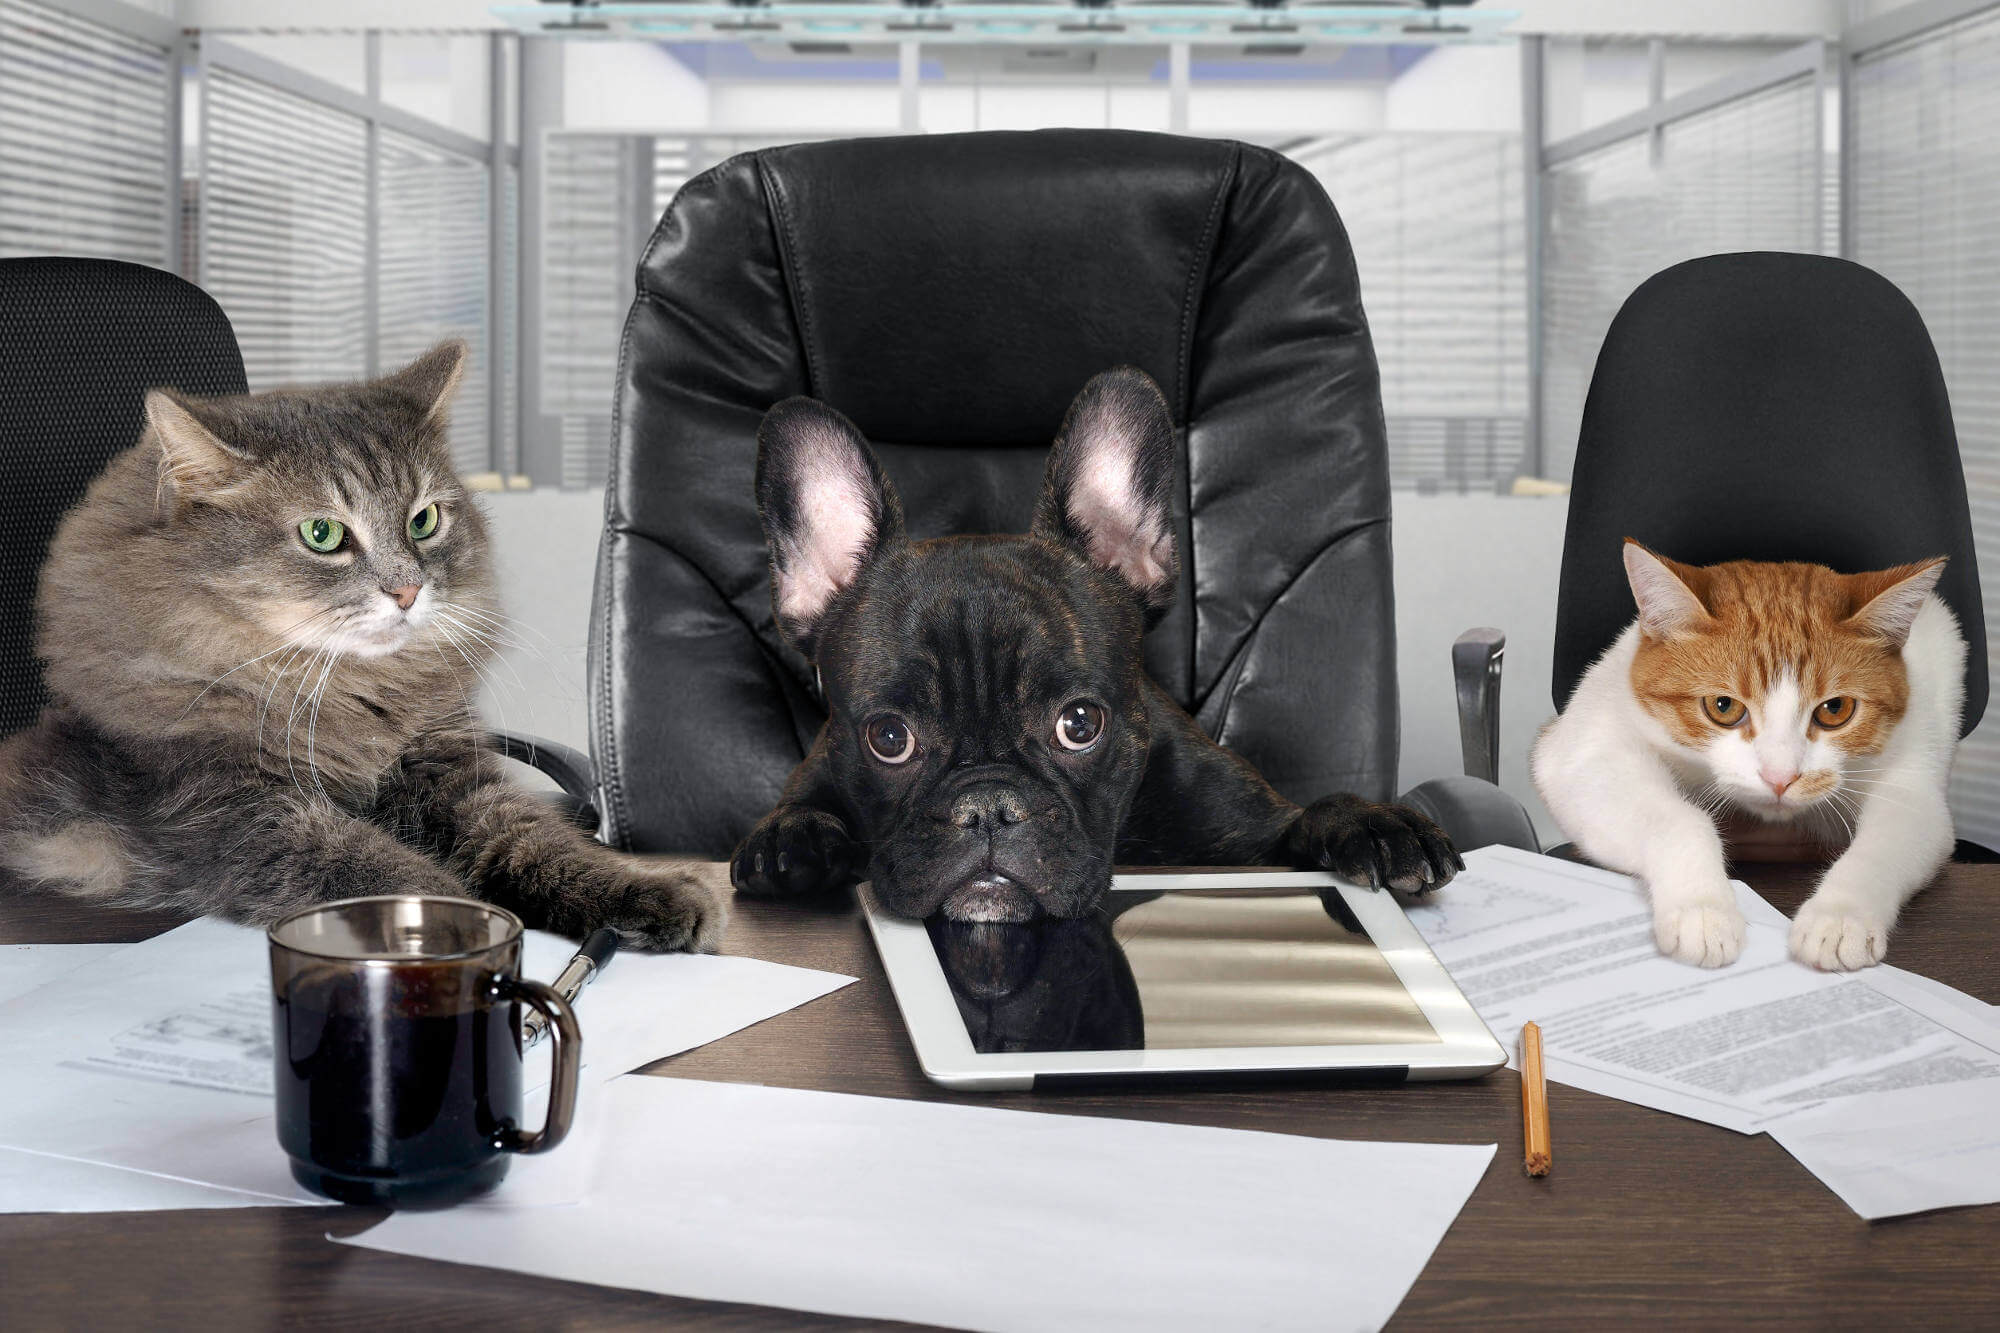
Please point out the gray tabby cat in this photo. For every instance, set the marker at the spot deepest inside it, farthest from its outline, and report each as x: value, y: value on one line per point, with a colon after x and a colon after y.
x: 260, y: 628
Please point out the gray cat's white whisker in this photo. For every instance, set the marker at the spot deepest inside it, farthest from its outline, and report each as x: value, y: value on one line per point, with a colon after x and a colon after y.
x: 289, y: 642
x: 446, y: 618
x: 312, y: 724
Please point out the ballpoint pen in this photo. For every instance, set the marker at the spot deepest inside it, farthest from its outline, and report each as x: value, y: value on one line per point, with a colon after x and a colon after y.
x: 592, y: 958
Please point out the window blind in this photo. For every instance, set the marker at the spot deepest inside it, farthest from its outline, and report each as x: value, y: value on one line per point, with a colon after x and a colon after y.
x: 602, y: 195
x: 1925, y: 191
x: 1436, y: 224
x: 283, y: 230
x: 432, y: 273
x: 587, y: 243
x: 83, y: 151
x: 1745, y: 175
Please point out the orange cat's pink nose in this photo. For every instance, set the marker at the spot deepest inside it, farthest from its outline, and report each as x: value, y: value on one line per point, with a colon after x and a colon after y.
x: 405, y: 596
x: 1778, y: 779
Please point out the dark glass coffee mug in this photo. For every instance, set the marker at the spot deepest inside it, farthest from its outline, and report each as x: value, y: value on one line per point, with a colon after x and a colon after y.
x: 398, y: 1046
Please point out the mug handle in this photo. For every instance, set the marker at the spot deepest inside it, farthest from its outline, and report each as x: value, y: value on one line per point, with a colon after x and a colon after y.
x: 567, y: 1039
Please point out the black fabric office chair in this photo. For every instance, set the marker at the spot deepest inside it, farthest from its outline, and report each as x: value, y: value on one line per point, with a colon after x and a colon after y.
x: 1765, y: 406
x: 81, y: 340
x: 950, y: 294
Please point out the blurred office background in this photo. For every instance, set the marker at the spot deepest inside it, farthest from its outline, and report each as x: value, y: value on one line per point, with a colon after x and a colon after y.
x: 353, y: 181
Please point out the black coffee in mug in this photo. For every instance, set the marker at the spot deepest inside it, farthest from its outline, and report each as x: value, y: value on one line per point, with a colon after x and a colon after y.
x: 398, y: 1046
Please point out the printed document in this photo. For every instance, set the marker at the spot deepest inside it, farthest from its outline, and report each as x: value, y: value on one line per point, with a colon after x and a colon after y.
x: 1743, y: 1046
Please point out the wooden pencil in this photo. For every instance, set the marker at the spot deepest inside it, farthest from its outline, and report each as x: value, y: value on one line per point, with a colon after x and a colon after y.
x: 1534, y: 1102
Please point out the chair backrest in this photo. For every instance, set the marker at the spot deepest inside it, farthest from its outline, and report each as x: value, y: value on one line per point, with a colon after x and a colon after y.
x: 950, y: 294
x: 1764, y: 406
x: 81, y: 340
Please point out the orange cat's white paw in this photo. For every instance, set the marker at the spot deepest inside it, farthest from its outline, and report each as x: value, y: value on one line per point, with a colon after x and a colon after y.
x: 1705, y: 933
x: 1838, y: 937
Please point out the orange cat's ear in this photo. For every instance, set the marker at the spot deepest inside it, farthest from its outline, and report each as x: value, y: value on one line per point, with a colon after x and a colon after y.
x: 1665, y: 591
x: 1888, y: 600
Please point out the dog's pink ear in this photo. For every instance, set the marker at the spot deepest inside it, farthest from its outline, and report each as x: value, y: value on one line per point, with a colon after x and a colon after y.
x: 1109, y: 486
x: 828, y: 511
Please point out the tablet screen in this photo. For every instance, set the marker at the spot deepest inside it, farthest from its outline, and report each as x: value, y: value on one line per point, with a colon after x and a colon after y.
x: 1189, y: 969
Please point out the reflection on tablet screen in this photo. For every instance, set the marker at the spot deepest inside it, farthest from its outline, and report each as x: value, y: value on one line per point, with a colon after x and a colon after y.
x: 1193, y: 969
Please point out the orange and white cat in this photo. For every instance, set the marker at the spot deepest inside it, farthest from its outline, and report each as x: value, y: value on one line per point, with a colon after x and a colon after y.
x: 1773, y: 695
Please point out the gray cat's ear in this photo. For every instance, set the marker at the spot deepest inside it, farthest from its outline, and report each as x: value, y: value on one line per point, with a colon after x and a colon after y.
x: 194, y: 459
x: 1663, y: 588
x: 433, y: 378
x: 1888, y: 600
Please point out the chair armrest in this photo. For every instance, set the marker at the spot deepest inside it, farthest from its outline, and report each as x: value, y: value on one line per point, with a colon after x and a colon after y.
x: 1474, y: 813
x: 571, y: 769
x: 1475, y: 667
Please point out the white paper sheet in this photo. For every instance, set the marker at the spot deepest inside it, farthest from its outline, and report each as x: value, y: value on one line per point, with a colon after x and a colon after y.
x: 1903, y: 1152
x: 157, y: 1057
x: 39, y: 1183
x: 974, y: 1217
x: 26, y: 967
x: 1742, y: 1046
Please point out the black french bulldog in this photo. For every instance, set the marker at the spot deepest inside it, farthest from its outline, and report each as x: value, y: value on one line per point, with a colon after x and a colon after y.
x: 993, y: 744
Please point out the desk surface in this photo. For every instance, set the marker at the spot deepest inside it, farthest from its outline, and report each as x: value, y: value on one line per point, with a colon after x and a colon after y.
x: 1647, y: 1219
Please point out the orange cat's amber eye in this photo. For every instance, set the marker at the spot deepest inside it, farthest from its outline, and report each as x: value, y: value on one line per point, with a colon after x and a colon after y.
x: 1834, y: 712
x: 1722, y: 710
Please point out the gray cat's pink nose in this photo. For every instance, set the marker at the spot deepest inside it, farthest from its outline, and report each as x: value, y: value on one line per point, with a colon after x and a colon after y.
x: 405, y: 596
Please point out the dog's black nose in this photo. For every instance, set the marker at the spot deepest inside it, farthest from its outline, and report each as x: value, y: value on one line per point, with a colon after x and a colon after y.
x: 988, y: 805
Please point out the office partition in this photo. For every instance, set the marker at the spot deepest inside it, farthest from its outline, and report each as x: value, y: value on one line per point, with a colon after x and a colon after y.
x: 1922, y: 197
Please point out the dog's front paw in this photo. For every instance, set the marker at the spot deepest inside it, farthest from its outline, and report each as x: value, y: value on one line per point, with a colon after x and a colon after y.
x: 1382, y: 845
x: 1707, y: 932
x: 1838, y: 936
x: 665, y: 907
x: 797, y: 851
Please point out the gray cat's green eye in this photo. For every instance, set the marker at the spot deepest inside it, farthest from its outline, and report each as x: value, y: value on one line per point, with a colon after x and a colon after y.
x: 425, y: 524
x: 323, y: 534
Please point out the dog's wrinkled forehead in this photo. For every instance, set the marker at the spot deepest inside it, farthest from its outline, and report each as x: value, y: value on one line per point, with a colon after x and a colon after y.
x: 974, y: 626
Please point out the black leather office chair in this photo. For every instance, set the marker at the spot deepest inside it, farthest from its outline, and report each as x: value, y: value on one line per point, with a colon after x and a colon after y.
x: 950, y: 294
x: 81, y: 340
x: 1765, y: 406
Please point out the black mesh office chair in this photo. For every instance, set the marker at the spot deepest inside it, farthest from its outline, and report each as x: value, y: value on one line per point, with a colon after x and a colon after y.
x: 81, y: 340
x: 1765, y: 406
x: 950, y: 294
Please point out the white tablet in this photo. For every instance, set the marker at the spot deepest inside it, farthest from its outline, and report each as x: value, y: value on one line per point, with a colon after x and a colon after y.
x: 1216, y: 976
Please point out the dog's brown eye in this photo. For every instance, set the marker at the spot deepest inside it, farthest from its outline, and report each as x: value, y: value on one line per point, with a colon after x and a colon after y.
x: 1833, y: 713
x: 891, y: 738
x: 1079, y: 725
x: 1722, y: 710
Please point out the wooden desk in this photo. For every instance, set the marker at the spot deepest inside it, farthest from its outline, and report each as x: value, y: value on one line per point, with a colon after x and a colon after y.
x: 1647, y: 1220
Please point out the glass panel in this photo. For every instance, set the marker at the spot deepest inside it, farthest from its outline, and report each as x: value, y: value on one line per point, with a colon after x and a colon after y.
x: 1926, y: 162
x: 1435, y: 221
x: 82, y: 147
x: 441, y: 77
x: 433, y: 280
x: 1742, y: 176
x: 284, y: 222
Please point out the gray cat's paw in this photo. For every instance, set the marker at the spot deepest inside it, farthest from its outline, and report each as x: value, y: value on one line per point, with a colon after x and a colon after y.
x: 666, y: 908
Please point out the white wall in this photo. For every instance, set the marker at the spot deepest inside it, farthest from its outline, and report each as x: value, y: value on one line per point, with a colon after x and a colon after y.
x: 1461, y: 561
x: 615, y: 85
x: 1458, y: 88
